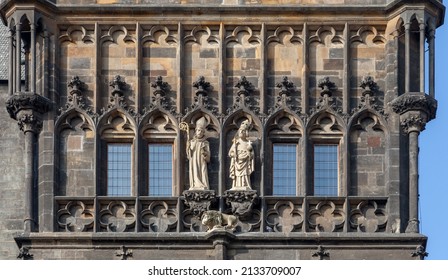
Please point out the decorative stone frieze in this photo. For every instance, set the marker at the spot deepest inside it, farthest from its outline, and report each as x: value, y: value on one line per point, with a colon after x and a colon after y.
x: 241, y: 202
x: 28, y: 109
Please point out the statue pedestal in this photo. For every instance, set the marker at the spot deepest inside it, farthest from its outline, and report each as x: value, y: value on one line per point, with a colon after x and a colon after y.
x: 241, y: 201
x: 199, y: 201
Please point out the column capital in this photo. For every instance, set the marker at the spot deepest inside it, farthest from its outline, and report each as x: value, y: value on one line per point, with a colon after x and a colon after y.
x: 415, y: 110
x: 27, y: 109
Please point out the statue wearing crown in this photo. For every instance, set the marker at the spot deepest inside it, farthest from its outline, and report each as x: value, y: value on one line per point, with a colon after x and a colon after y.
x: 198, y: 154
x: 241, y: 158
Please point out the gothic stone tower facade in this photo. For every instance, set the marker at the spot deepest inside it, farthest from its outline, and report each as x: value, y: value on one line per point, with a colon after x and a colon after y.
x: 109, y: 96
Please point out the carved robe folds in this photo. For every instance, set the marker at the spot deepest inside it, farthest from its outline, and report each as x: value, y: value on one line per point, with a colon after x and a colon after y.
x: 242, y: 164
x: 198, y: 153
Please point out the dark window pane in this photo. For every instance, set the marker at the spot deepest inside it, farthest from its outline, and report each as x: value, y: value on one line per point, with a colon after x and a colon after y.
x: 160, y: 169
x: 284, y: 169
x: 119, y: 169
x: 326, y: 170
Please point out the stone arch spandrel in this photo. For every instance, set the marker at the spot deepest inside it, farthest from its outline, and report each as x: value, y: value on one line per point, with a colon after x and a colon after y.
x: 116, y: 124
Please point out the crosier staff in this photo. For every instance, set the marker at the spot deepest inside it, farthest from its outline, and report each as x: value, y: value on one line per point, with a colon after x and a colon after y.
x: 185, y: 127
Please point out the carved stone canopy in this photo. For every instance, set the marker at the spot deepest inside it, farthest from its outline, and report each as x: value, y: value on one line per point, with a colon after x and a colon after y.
x: 27, y: 108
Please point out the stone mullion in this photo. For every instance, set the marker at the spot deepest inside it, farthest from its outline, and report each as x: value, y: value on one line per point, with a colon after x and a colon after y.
x: 422, y: 57
x: 46, y: 71
x: 11, y: 63
x: 305, y: 70
x: 179, y: 176
x: 33, y: 58
x: 407, y: 66
x: 18, y: 58
x: 97, y: 69
x: 305, y: 166
x: 139, y: 77
x: 180, y: 68
x: 432, y: 61
x: 222, y: 65
x: 346, y: 71
x: 345, y: 154
x: 262, y: 85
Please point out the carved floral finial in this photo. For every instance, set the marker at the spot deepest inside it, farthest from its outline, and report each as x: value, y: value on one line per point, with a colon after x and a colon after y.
x: 76, y: 85
x: 244, y: 86
x: 369, y: 85
x: 285, y: 86
x: 160, y: 87
x: 201, y: 85
x: 118, y: 85
x: 326, y: 85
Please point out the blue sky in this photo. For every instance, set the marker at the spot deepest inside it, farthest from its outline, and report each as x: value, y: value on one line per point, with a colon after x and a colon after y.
x: 433, y: 158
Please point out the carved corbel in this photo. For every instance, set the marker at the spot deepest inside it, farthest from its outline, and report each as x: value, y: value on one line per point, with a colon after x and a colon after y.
x: 28, y: 110
x: 415, y: 110
x: 199, y: 201
x: 241, y: 202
